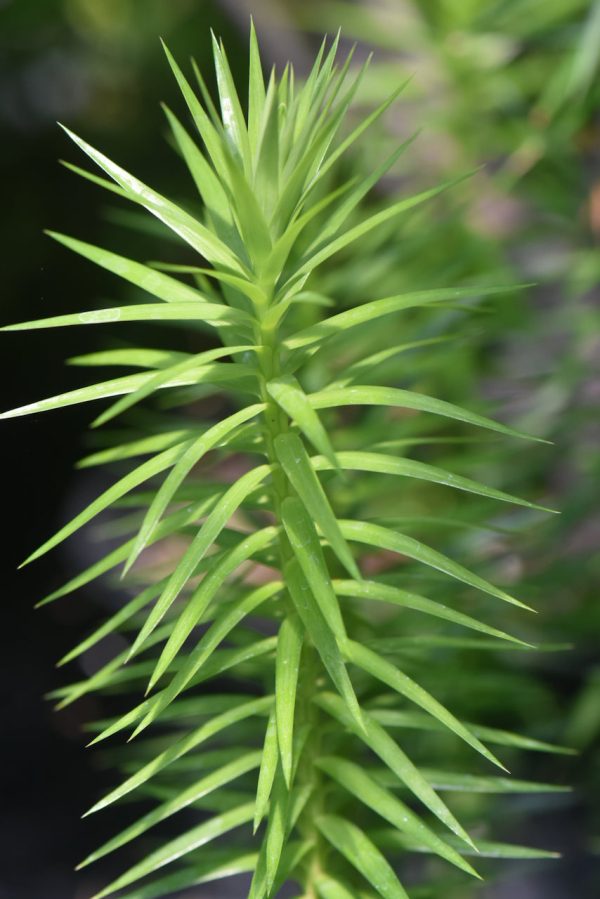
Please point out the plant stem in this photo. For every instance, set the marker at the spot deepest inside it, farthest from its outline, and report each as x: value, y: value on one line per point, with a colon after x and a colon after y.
x: 276, y: 422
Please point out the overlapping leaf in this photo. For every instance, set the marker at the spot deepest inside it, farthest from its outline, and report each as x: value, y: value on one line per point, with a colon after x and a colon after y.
x: 261, y: 552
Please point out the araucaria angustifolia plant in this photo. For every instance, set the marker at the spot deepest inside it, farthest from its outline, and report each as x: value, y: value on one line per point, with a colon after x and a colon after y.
x: 304, y: 759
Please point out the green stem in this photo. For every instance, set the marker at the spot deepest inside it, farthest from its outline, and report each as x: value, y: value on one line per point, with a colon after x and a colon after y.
x: 276, y: 422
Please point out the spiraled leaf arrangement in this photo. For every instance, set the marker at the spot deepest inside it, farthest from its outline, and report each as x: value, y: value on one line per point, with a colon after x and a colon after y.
x: 300, y: 760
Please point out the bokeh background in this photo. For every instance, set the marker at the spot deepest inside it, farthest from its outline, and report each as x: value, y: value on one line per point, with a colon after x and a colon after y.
x: 511, y: 84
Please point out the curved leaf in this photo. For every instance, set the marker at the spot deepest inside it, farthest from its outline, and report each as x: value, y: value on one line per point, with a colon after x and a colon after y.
x: 124, y: 614
x: 379, y: 218
x: 214, y: 865
x: 189, y: 229
x: 485, y: 848
x: 130, y: 357
x: 371, y: 590
x: 271, y: 850
x: 384, y: 464
x: 222, y: 660
x: 133, y: 384
x: 171, y: 524
x: 397, y: 718
x: 453, y: 781
x: 142, y: 312
x: 367, y: 312
x: 203, y: 374
x: 210, y: 188
x: 160, y: 285
x: 384, y: 538
x: 407, y: 399
x: 145, y: 446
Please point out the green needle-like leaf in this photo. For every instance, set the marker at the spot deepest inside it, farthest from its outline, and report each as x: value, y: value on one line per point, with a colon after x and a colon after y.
x: 400, y: 766
x: 136, y: 357
x: 393, y: 396
x: 362, y: 854
x: 367, y: 364
x: 143, y: 447
x: 384, y: 538
x: 114, y: 622
x: 371, y: 590
x: 210, y: 135
x: 200, y: 655
x: 397, y: 718
x: 169, y: 526
x: 366, y: 312
x: 361, y: 128
x: 381, y: 801
x: 208, y: 184
x: 403, y: 684
x: 271, y: 850
x: 452, y: 781
x: 190, y: 230
x: 196, y: 791
x: 194, y: 739
x: 256, y: 92
x: 203, y: 373
x: 300, y: 470
x: 486, y: 848
x: 379, y: 218
x: 136, y: 477
x: 288, y: 394
x: 361, y: 190
x: 133, y: 384
x: 221, y: 661
x: 307, y: 549
x: 268, y: 164
x: 252, y: 224
x: 208, y: 533
x: 287, y: 667
x: 159, y: 285
x: 205, y: 312
x: 214, y: 865
x: 214, y: 579
x: 231, y: 110
x: 384, y: 464
x: 177, y: 848
x: 321, y: 635
x: 211, y: 438
x: 268, y: 769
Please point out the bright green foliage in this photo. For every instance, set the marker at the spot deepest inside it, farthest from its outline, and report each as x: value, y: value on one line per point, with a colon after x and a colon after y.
x: 308, y: 750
